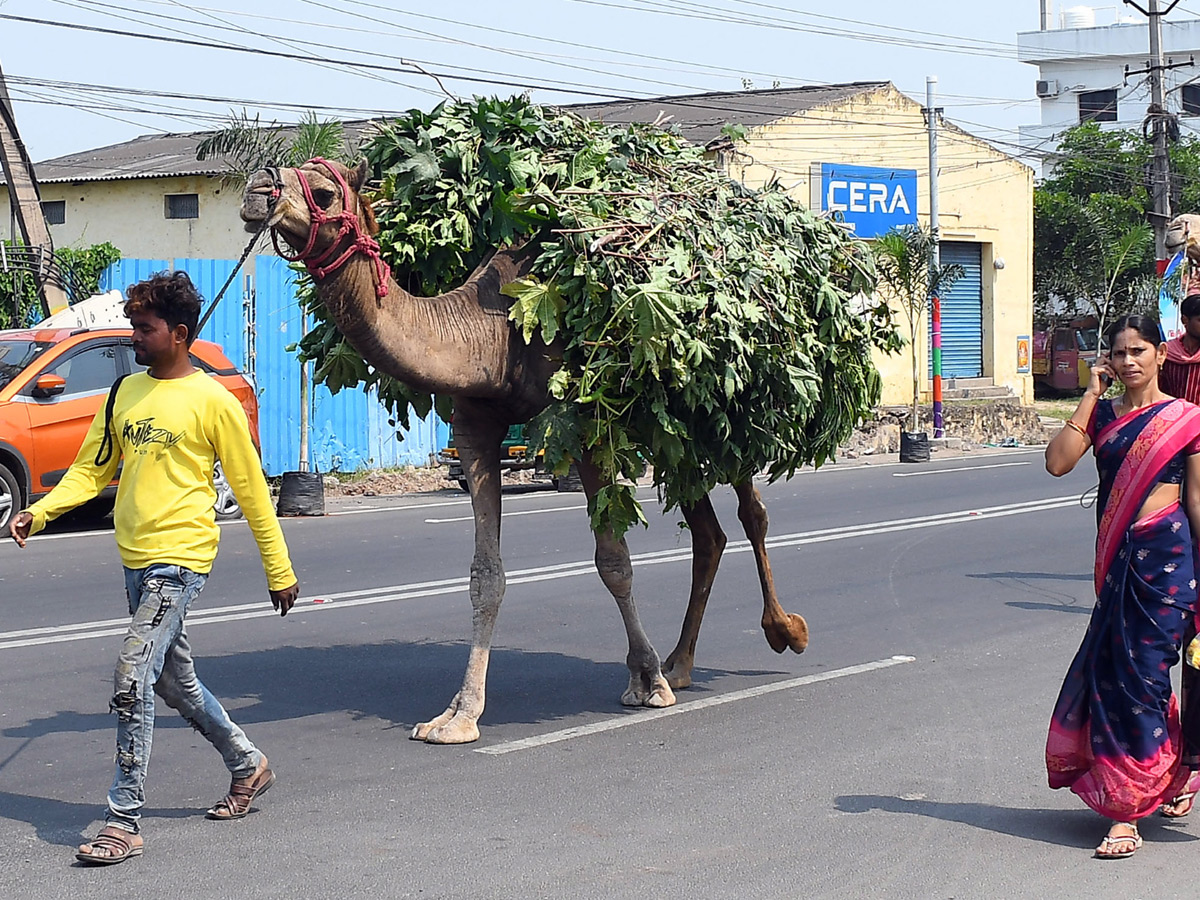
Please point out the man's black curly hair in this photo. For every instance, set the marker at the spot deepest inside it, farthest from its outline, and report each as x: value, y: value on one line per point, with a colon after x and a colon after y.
x: 169, y: 295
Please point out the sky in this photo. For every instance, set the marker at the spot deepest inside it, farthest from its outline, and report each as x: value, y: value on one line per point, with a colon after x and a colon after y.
x: 104, y: 81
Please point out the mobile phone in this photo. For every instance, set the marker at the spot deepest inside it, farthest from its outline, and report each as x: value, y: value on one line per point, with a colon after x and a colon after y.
x: 1105, y: 380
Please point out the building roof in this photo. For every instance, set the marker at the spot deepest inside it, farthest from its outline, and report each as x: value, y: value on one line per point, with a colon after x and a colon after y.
x: 148, y: 156
x: 699, y: 118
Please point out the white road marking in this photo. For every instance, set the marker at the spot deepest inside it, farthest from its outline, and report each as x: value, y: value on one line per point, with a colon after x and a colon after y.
x: 31, y: 637
x: 957, y: 469
x: 652, y: 715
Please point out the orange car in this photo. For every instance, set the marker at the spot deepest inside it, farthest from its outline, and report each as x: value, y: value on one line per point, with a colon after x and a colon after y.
x: 52, y: 383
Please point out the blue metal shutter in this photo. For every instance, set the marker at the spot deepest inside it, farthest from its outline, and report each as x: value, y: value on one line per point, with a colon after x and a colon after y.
x: 962, y: 313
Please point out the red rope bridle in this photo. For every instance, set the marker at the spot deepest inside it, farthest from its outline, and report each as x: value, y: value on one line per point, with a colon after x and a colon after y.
x: 348, y: 222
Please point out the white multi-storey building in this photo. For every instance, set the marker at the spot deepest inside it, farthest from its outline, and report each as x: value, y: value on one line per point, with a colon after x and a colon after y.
x: 1083, y: 55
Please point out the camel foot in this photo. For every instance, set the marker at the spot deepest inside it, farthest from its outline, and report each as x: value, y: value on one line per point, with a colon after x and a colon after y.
x: 461, y: 729
x: 789, y: 632
x: 451, y: 727
x: 654, y: 693
x: 678, y: 673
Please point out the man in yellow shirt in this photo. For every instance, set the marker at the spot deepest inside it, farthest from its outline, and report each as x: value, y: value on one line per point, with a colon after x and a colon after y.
x: 168, y: 424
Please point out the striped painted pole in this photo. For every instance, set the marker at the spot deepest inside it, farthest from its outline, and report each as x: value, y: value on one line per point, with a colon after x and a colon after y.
x: 938, y: 429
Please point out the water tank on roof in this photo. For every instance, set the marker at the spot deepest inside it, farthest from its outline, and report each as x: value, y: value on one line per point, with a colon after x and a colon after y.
x: 1079, y: 17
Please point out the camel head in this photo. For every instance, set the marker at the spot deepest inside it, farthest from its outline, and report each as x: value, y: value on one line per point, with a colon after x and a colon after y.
x: 276, y: 198
x: 1184, y: 230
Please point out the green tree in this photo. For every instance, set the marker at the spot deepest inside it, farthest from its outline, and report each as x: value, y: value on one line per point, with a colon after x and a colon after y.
x: 1093, y: 247
x: 904, y: 265
x: 79, y: 267
x: 247, y: 145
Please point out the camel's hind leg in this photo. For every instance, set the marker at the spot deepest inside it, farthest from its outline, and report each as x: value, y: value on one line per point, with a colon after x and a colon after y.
x: 708, y: 543
x: 783, y: 629
x: 479, y: 448
x: 647, y: 686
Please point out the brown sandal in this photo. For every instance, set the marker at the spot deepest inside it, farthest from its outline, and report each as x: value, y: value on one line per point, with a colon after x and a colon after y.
x: 242, y: 792
x: 116, y: 846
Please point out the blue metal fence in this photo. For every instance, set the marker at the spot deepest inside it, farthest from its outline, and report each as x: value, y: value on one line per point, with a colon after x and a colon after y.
x: 255, y: 323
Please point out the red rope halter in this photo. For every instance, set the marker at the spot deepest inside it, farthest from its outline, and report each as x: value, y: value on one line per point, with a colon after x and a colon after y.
x: 348, y: 222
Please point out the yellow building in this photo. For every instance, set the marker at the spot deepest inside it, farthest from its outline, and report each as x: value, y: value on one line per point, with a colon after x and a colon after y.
x: 848, y: 148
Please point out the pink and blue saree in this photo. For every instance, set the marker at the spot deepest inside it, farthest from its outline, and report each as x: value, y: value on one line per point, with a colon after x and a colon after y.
x: 1115, y: 734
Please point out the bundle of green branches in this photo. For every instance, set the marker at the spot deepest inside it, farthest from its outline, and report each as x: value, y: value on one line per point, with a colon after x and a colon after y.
x: 709, y: 330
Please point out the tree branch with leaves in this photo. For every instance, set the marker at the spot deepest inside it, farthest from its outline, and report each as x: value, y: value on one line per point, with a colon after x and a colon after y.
x: 905, y: 268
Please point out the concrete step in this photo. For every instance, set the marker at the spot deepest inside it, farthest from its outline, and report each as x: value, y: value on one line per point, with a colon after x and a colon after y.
x: 977, y: 393
x: 956, y: 383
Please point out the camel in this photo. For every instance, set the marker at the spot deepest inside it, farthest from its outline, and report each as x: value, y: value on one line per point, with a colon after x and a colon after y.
x: 1184, y: 230
x: 461, y: 344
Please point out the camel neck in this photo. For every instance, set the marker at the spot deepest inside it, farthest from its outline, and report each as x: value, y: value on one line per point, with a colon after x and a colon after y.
x: 446, y: 344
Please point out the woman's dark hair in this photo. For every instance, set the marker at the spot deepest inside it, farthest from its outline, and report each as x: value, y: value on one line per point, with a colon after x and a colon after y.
x: 1147, y: 328
x: 169, y: 295
x: 1190, y: 306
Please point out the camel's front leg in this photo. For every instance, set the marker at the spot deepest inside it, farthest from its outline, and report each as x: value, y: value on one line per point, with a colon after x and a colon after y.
x: 783, y: 629
x: 647, y: 686
x: 459, y: 723
x: 708, y: 543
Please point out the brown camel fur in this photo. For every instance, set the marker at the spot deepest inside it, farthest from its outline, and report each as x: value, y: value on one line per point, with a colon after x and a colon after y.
x: 461, y: 344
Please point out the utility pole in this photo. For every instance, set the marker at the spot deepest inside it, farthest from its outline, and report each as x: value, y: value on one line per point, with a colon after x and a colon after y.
x: 1158, y: 118
x: 932, y: 114
x: 24, y: 200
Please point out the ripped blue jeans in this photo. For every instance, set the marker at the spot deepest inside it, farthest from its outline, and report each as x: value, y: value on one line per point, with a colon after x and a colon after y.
x: 156, y: 659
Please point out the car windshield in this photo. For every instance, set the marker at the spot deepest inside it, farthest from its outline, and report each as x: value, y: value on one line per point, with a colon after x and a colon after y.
x: 1087, y: 338
x: 16, y: 355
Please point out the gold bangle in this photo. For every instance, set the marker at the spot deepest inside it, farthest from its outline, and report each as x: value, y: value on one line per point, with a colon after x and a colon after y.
x: 1070, y: 423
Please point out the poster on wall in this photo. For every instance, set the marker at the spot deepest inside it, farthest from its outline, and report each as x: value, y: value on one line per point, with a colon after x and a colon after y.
x: 1169, y: 297
x: 1023, y: 354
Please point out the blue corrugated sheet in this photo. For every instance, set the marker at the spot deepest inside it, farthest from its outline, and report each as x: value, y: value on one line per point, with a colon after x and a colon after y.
x: 347, y: 431
x: 125, y: 272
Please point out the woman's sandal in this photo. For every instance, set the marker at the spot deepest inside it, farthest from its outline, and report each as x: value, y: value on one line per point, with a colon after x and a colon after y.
x: 1115, y: 840
x: 1180, y: 806
x: 111, y: 846
x: 242, y: 792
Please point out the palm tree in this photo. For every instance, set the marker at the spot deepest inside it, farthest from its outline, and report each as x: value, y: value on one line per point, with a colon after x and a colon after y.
x: 904, y: 263
x: 247, y: 145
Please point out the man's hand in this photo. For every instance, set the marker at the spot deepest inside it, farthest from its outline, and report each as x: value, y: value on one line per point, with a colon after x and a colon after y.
x: 281, y: 600
x: 19, y: 525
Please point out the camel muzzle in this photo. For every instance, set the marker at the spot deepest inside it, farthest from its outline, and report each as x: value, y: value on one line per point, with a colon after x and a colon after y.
x: 256, y: 208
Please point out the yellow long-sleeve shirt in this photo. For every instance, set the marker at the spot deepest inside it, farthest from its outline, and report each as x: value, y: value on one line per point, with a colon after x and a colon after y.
x: 169, y: 432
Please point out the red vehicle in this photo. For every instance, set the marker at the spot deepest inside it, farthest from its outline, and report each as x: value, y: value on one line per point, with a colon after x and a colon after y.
x: 1063, y: 356
x: 52, y: 383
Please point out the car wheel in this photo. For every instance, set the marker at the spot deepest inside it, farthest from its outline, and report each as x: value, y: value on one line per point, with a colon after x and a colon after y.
x: 227, y: 506
x: 10, y: 498
x: 462, y: 483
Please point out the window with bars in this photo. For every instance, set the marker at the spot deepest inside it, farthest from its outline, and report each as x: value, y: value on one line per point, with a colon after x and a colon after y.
x: 54, y: 211
x: 183, y: 206
x: 1098, y: 106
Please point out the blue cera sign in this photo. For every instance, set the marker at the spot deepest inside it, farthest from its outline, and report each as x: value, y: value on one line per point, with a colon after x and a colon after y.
x: 872, y: 201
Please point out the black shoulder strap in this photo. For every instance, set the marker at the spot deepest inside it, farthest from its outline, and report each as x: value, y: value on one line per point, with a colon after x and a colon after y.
x: 104, y: 454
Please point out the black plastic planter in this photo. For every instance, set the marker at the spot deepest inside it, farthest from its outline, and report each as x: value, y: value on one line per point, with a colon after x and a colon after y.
x: 302, y: 494
x: 914, y: 446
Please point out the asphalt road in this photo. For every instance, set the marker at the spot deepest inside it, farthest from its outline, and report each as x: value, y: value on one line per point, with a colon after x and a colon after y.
x: 901, y: 756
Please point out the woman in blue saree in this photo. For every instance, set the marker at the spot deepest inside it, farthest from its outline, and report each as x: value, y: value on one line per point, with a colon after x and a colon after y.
x: 1115, y: 737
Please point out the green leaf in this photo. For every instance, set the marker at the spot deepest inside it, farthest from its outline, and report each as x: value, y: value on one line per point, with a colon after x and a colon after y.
x: 538, y: 306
